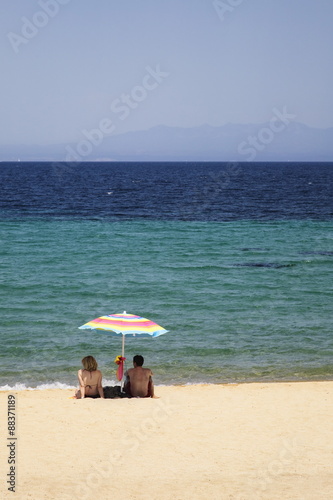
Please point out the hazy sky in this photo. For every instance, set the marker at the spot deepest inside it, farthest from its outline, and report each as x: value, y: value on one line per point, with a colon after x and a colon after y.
x: 72, y: 65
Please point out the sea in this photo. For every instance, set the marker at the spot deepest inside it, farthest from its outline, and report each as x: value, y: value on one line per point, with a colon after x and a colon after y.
x: 235, y: 260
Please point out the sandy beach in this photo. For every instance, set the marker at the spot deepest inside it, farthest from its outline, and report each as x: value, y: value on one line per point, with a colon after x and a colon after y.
x: 236, y: 442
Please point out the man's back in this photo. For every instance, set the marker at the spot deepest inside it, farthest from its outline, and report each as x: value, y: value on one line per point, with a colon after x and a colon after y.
x: 140, y: 380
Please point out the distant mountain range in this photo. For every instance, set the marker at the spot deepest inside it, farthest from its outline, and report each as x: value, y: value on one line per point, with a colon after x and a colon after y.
x: 274, y: 141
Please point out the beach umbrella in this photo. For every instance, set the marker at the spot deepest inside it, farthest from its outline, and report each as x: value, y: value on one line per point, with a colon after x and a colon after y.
x: 126, y: 325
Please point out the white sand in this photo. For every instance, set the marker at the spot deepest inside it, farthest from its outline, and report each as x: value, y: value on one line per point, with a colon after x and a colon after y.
x: 233, y: 442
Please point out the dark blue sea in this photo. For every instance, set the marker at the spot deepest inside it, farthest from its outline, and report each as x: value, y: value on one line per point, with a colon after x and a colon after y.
x: 234, y: 259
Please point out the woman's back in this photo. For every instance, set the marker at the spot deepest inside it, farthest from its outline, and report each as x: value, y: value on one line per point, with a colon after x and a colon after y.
x: 91, y: 380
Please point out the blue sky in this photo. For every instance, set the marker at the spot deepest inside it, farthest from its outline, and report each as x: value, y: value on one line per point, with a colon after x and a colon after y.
x: 70, y: 65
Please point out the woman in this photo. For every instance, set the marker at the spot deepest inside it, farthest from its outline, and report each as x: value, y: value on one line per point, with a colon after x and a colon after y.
x: 90, y: 380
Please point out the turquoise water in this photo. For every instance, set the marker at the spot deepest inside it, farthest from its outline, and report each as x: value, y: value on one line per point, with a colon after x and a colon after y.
x: 242, y: 300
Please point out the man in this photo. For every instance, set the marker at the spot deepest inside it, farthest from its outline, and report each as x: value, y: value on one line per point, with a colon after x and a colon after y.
x: 139, y: 382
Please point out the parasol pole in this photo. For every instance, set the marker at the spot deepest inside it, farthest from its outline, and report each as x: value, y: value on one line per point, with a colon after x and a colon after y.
x: 123, y: 355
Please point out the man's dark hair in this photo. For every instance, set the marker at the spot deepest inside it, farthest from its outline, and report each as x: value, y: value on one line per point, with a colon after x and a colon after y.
x: 138, y: 360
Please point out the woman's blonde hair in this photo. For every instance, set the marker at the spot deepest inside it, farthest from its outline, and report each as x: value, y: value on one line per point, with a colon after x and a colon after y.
x: 89, y: 363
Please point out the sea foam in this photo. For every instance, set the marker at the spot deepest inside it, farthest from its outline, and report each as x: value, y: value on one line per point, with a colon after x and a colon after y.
x: 48, y: 385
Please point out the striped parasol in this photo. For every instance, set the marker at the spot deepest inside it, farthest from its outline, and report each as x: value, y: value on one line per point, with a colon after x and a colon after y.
x: 125, y: 324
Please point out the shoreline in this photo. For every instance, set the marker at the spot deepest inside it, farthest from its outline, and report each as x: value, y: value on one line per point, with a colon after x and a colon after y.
x: 48, y: 386
x: 247, y: 441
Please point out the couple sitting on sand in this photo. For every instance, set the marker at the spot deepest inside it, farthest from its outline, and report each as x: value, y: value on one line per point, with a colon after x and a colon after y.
x: 138, y: 381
